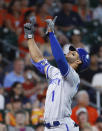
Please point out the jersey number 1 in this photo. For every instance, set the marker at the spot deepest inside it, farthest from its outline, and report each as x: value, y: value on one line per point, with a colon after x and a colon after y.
x: 53, y: 95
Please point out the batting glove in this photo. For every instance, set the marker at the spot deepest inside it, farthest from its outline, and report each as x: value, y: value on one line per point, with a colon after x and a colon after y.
x: 50, y: 24
x: 29, y: 28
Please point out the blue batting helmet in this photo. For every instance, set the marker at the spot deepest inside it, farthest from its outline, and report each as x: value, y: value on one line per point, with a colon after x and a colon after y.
x: 84, y: 57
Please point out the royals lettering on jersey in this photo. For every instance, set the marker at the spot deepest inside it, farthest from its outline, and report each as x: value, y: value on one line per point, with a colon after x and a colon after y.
x: 60, y: 93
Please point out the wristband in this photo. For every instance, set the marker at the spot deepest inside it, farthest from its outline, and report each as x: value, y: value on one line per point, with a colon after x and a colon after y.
x: 30, y: 36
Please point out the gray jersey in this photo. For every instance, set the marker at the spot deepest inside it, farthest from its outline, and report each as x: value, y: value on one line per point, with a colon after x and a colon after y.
x: 60, y: 93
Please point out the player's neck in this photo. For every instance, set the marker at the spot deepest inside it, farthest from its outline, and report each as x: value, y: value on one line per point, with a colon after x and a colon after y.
x: 74, y: 66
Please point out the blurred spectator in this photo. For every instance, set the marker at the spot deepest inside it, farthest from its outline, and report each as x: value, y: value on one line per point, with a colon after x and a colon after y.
x: 25, y: 6
x: 30, y: 84
x: 27, y: 15
x: 97, y: 13
x: 2, y: 66
x: 16, y: 74
x: 7, y: 3
x: 92, y: 70
x: 20, y: 123
x: 17, y: 92
x: 2, y: 2
x: 87, y: 127
x: 53, y: 6
x: 98, y: 124
x: 2, y: 91
x: 76, y: 39
x: 8, y: 42
x: 83, y: 101
x: 46, y: 49
x: 16, y: 105
x: 22, y: 45
x: 41, y: 14
x: 67, y: 19
x: 83, y: 9
x: 38, y: 113
x: 100, y: 57
x: 2, y: 102
x: 14, y: 17
x: 3, y: 127
x: 35, y: 104
x: 82, y: 116
x: 2, y: 12
x: 94, y: 128
x: 10, y: 116
x: 1, y: 20
x: 63, y: 40
x: 40, y: 127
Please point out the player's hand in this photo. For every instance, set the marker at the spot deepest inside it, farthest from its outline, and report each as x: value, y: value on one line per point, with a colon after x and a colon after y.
x: 50, y: 24
x: 29, y: 28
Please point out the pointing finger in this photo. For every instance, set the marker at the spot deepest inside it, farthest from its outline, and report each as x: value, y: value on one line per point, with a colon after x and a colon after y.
x: 32, y: 20
x: 54, y: 20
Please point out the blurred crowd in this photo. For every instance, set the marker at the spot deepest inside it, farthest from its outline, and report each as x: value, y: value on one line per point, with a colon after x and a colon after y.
x: 22, y: 87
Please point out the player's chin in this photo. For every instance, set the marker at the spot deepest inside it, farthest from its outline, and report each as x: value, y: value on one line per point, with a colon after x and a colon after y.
x: 68, y: 57
x: 68, y: 60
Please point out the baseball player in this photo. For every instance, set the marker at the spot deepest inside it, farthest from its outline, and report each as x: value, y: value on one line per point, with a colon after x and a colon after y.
x: 63, y: 81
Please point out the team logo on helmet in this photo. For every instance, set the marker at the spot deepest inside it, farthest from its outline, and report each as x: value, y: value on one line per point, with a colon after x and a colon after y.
x: 87, y: 56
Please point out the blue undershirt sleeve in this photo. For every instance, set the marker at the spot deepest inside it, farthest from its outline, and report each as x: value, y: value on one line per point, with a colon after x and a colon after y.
x: 58, y: 54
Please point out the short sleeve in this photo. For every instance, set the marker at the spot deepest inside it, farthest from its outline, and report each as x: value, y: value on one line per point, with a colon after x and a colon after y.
x: 41, y: 65
x: 51, y: 72
x: 72, y: 76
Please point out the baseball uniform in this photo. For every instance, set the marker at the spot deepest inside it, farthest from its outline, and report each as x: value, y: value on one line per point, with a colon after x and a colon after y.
x: 63, y: 85
x: 59, y: 98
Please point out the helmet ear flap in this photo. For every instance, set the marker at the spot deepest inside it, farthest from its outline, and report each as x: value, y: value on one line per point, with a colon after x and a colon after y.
x: 84, y: 57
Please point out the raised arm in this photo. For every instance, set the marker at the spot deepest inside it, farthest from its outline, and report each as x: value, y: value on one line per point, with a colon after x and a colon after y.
x: 29, y: 35
x: 57, y: 50
x: 58, y: 54
x: 37, y: 58
x: 34, y: 51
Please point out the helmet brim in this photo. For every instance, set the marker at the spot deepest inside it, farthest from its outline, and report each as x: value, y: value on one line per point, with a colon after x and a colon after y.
x: 72, y: 48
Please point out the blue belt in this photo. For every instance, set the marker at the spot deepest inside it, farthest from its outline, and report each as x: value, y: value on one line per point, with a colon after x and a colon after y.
x: 55, y: 123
